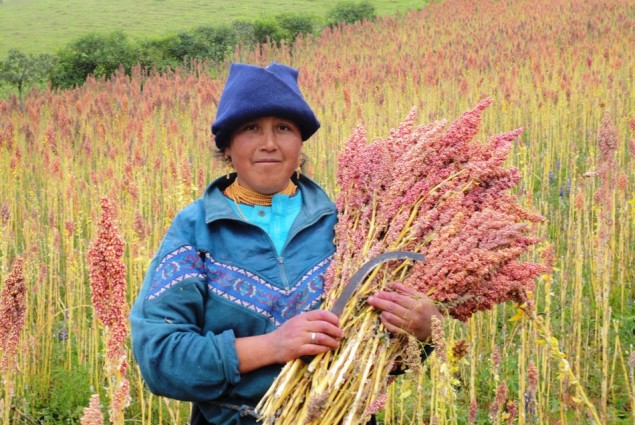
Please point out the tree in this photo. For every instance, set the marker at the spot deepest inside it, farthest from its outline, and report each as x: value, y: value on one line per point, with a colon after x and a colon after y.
x: 20, y: 70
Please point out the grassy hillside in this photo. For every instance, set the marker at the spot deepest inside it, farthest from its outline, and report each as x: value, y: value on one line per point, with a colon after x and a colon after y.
x: 38, y: 26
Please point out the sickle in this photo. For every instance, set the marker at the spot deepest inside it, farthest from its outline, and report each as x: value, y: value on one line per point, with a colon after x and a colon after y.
x: 364, y: 270
x: 360, y: 275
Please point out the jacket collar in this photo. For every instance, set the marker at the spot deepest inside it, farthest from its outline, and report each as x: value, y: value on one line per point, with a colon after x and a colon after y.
x: 315, y: 202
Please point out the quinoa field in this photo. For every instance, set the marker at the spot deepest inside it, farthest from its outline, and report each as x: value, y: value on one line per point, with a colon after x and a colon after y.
x: 90, y: 179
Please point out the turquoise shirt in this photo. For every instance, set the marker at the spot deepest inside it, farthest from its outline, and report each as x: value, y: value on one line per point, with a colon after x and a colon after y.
x: 275, y: 220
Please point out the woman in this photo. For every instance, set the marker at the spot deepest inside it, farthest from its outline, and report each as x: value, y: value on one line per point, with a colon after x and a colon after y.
x: 233, y: 291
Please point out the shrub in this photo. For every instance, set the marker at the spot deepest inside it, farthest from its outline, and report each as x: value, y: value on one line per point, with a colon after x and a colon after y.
x: 156, y: 53
x: 349, y: 12
x: 93, y: 54
x: 63, y: 400
x: 286, y: 26
x: 268, y: 29
x: 204, y: 42
x: 222, y: 42
x: 244, y: 32
x: 295, y: 24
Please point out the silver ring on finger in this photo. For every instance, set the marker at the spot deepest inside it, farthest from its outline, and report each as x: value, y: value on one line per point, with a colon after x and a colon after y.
x: 313, y: 337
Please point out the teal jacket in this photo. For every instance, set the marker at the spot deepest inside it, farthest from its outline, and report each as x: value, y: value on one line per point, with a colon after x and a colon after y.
x: 216, y: 278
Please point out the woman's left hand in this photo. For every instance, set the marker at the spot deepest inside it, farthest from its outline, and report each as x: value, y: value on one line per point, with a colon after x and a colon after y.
x: 406, y: 310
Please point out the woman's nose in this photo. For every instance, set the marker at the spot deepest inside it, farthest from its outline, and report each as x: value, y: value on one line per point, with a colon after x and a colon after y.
x: 269, y: 139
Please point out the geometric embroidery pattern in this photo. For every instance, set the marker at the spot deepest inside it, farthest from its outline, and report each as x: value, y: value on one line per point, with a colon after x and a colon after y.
x: 180, y: 264
x: 250, y: 291
x: 240, y: 286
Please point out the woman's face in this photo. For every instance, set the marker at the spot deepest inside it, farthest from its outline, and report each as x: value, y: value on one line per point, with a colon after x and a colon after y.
x: 265, y: 152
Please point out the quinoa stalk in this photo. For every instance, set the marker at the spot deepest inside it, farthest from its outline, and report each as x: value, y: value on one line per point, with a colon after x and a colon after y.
x: 563, y: 363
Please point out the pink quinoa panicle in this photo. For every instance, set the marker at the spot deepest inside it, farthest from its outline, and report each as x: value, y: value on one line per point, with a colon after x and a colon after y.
x: 472, y: 411
x: 438, y: 339
x: 496, y: 358
x: 411, y: 174
x: 108, y: 275
x: 436, y: 190
x: 120, y: 399
x: 532, y: 378
x: 464, y: 129
x: 473, y: 259
x: 512, y: 411
x: 92, y: 414
x: 12, y: 314
x: 348, y: 170
x: 499, y: 401
x: 604, y: 195
x: 377, y: 404
x: 5, y: 214
x: 607, y: 140
x: 108, y: 294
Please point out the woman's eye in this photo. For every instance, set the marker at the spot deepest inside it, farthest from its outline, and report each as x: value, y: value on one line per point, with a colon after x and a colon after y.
x: 249, y: 127
x: 285, y: 127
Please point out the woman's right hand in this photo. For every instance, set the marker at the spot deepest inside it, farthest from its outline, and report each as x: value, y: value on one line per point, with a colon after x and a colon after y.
x: 309, y: 333
x: 306, y: 334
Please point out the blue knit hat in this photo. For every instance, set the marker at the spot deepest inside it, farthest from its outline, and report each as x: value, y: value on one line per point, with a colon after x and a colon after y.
x: 252, y: 92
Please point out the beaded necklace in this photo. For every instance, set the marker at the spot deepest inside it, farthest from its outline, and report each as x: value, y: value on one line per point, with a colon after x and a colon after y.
x: 242, y: 195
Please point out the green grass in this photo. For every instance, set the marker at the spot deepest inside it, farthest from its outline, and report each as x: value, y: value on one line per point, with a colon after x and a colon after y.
x: 44, y: 26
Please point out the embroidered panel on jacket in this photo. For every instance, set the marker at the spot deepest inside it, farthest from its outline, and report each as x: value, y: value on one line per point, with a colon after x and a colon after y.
x: 180, y: 264
x: 241, y: 286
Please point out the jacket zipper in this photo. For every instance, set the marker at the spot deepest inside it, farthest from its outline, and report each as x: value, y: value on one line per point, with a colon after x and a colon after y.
x: 280, y: 258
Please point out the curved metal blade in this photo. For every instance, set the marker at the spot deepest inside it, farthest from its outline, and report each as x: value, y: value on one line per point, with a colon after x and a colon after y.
x: 365, y: 269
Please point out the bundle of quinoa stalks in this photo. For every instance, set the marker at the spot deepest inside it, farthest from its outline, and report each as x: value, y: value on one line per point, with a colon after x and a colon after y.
x: 431, y: 189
